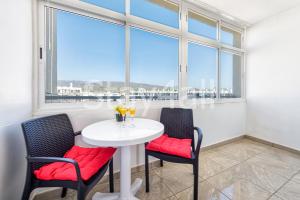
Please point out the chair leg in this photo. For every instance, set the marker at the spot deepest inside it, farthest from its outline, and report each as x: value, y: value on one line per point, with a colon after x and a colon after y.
x: 161, y: 163
x: 80, y: 195
x: 27, y: 186
x: 194, y: 169
x: 196, y: 172
x: 111, y: 176
x: 63, y: 193
x: 26, y: 192
x: 147, y: 172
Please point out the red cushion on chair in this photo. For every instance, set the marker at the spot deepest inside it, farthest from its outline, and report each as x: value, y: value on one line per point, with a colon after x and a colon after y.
x: 90, y: 160
x: 173, y: 146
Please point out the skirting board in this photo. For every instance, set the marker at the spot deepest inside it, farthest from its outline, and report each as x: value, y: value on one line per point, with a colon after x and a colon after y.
x: 224, y: 142
x: 255, y: 139
x: 275, y: 145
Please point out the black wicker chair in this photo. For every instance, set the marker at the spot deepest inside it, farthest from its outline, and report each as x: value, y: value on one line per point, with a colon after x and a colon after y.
x: 178, y: 123
x: 47, y: 140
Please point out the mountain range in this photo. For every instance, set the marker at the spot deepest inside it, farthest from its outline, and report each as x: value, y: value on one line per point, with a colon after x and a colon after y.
x: 104, y: 85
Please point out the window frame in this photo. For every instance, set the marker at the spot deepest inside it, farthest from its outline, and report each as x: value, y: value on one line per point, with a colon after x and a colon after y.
x: 192, y: 10
x: 175, y: 2
x: 242, y: 57
x: 235, y: 29
x: 217, y: 67
x: 128, y: 20
x: 164, y: 35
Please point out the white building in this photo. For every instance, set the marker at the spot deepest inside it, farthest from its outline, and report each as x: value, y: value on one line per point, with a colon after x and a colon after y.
x: 69, y: 90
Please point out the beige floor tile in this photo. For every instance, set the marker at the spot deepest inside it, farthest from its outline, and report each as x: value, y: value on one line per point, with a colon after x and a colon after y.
x: 206, y: 192
x: 238, y: 151
x: 296, y: 178
x: 55, y: 195
x: 177, y: 177
x: 103, y: 187
x: 274, y: 197
x: 260, y: 176
x: 275, y: 166
x: 254, y: 145
x: 290, y: 191
x: 158, y: 190
x: 172, y: 198
x: 236, y: 188
x: 225, y: 159
x: 208, y: 167
x: 257, y: 175
x: 283, y: 156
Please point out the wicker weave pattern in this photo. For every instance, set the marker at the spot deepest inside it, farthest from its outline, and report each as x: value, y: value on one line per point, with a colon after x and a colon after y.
x: 178, y: 122
x: 50, y: 136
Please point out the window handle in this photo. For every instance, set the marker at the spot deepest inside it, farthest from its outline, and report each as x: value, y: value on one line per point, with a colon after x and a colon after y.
x: 41, y: 53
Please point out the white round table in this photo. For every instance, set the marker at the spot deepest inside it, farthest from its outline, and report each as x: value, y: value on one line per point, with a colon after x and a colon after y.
x: 110, y: 133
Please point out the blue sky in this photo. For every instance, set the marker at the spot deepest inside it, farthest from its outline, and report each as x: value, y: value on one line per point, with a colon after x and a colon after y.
x: 115, y: 5
x: 92, y: 50
x: 154, y: 58
x: 202, y: 66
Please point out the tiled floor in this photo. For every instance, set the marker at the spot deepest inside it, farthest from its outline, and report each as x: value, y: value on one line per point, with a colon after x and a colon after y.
x: 243, y: 170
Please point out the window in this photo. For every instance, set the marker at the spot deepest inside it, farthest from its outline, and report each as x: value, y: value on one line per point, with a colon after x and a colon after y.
x: 160, y: 11
x: 202, y: 71
x: 153, y: 66
x: 85, y: 58
x: 161, y: 50
x: 230, y: 37
x: 202, y: 26
x: 115, y: 5
x: 230, y: 73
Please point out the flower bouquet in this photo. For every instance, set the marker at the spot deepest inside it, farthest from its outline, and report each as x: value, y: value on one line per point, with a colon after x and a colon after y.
x: 120, y: 113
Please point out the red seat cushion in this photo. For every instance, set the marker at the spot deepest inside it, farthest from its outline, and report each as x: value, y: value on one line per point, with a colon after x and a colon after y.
x: 90, y: 160
x: 173, y: 146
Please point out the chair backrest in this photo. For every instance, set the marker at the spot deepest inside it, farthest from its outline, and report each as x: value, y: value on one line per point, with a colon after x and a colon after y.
x: 50, y: 136
x: 178, y: 122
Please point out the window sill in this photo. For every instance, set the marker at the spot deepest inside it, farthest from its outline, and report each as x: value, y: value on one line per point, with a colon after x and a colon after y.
x: 48, y: 109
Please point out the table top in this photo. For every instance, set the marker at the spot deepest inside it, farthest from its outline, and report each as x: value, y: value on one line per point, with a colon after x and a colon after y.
x: 110, y: 133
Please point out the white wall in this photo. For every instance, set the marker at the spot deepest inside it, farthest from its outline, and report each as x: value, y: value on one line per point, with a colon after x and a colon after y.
x: 273, y: 79
x: 15, y: 93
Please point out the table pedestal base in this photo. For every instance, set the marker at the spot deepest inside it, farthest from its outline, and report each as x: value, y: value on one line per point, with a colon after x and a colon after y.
x: 116, y: 196
x: 126, y: 192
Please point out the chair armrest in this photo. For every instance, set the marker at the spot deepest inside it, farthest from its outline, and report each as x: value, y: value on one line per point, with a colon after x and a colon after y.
x: 56, y: 159
x: 77, y: 133
x: 200, y: 136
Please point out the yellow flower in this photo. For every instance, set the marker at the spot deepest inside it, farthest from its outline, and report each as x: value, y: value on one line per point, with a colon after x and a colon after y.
x: 119, y: 109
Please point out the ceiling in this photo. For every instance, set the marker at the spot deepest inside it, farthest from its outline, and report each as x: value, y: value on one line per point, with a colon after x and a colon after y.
x: 250, y: 11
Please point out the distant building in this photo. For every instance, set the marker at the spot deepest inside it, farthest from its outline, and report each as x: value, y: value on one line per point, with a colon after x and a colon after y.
x: 69, y: 90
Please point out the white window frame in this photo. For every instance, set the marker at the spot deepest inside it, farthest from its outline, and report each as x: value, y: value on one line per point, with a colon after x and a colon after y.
x: 128, y: 20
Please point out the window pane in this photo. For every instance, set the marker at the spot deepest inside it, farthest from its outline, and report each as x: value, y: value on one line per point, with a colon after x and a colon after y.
x: 230, y: 84
x: 154, y: 66
x: 202, y: 26
x: 85, y: 59
x: 115, y: 5
x: 202, y: 71
x: 160, y: 11
x: 230, y: 37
